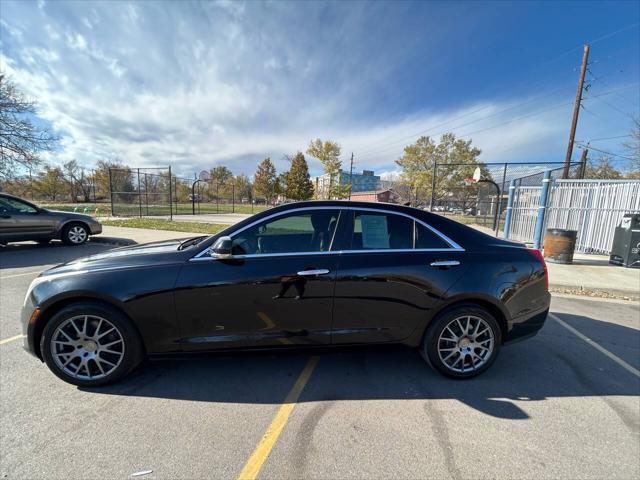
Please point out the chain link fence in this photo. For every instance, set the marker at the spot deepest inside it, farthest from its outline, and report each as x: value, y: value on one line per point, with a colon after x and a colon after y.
x: 484, y: 203
x: 140, y: 192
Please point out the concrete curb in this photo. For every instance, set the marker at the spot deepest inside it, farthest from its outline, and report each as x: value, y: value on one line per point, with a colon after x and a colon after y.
x: 121, y: 242
x: 581, y: 291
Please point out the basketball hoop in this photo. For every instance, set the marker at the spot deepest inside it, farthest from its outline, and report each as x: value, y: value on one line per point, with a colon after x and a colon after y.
x: 476, y: 177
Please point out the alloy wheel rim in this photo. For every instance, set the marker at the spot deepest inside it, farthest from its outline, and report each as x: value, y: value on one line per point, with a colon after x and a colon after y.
x: 77, y: 234
x: 466, y: 344
x: 87, y: 347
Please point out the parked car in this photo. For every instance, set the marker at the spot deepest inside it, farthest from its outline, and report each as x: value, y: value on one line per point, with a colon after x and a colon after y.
x: 21, y: 220
x: 309, y: 274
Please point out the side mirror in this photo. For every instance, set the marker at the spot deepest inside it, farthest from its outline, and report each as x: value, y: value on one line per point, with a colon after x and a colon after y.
x: 222, y: 247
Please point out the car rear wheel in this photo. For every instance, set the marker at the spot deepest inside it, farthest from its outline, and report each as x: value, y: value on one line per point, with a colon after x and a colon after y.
x: 89, y: 344
x: 75, y: 234
x: 462, y: 342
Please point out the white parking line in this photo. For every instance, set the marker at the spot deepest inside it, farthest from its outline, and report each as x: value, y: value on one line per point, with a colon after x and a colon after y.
x: 598, y: 347
x: 20, y: 274
x: 11, y: 339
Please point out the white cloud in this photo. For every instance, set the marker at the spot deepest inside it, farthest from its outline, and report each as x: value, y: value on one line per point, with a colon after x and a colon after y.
x: 222, y: 83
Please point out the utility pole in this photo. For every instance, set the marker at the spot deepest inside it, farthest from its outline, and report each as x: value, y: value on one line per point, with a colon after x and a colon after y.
x: 583, y: 163
x: 351, y: 176
x: 576, y: 111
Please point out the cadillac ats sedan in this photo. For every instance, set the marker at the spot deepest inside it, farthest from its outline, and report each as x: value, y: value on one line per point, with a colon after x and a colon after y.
x: 309, y: 274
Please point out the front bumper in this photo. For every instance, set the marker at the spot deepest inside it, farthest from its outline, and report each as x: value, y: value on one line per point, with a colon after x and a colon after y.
x: 28, y: 316
x: 95, y: 228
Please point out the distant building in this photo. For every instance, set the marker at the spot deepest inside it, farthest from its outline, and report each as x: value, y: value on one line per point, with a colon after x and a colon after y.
x: 361, y: 182
x: 387, y: 196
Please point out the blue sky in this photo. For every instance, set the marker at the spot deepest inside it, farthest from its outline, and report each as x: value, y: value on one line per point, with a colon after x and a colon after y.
x: 207, y: 83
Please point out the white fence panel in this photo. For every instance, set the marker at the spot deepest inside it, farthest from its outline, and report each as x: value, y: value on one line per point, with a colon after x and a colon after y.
x: 524, y: 213
x: 591, y: 207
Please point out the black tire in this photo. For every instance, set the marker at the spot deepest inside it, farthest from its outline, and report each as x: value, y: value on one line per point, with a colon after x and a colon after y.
x: 432, y: 341
x: 131, y: 348
x: 71, y: 234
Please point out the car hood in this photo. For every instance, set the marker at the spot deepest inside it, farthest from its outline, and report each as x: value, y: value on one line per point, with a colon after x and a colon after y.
x: 73, y: 215
x: 144, y: 255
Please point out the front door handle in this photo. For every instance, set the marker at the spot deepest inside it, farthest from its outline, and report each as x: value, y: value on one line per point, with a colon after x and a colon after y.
x: 309, y: 273
x: 445, y: 263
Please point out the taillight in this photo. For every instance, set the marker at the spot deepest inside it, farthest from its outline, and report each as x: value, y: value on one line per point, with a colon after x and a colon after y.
x: 540, y: 258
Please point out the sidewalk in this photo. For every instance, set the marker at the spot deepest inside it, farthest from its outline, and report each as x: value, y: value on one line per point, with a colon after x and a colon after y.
x: 131, y: 236
x: 590, y: 275
x: 593, y: 275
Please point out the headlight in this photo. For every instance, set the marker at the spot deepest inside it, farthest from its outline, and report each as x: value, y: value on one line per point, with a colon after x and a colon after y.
x: 38, y: 280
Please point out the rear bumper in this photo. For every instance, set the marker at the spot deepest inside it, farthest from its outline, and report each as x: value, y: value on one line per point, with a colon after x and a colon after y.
x: 526, y: 326
x: 95, y: 228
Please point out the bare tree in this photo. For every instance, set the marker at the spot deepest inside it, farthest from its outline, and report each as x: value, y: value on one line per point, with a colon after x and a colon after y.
x: 632, y: 146
x: 79, y: 182
x: 21, y: 141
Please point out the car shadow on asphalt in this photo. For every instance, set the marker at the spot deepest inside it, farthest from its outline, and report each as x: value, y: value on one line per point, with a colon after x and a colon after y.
x: 554, y: 364
x: 32, y: 254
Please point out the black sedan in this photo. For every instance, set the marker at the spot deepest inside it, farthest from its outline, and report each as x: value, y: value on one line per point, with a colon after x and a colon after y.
x: 311, y: 274
x: 21, y: 220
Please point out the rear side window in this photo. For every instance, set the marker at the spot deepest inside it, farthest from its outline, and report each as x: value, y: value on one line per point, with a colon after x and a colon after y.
x: 380, y: 231
x: 425, y: 238
x: 388, y: 231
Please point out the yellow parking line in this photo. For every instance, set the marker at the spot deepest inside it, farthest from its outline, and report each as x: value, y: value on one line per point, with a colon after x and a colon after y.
x: 11, y: 339
x: 270, y: 437
x: 601, y: 349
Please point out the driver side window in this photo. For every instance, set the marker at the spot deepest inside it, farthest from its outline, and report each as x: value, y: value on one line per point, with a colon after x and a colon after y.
x: 301, y: 231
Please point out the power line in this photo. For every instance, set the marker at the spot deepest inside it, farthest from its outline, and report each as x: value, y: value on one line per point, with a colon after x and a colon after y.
x: 517, y: 118
x: 615, y: 108
x: 605, y: 152
x: 513, y: 119
x: 603, y: 37
x: 604, y: 138
x: 392, y: 144
x: 607, y: 35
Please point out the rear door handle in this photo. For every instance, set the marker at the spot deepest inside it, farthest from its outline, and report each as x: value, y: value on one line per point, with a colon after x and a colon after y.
x: 445, y: 263
x: 309, y: 273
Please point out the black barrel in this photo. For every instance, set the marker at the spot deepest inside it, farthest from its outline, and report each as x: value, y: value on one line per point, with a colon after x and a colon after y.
x: 559, y: 245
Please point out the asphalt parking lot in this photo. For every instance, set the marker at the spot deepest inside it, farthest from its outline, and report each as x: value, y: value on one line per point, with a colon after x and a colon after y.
x: 565, y: 404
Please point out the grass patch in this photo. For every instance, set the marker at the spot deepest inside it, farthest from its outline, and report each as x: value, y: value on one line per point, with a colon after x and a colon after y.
x: 133, y: 208
x: 161, y: 224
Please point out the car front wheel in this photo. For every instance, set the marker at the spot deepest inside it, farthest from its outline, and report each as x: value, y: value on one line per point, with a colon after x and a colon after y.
x: 462, y: 342
x: 89, y: 344
x: 75, y: 234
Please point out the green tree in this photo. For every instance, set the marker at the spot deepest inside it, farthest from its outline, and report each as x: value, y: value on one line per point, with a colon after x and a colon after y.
x: 51, y: 183
x: 265, y: 180
x: 328, y: 152
x: 244, y: 188
x: 121, y: 179
x: 457, y: 159
x: 298, y: 182
x: 221, y: 182
x: 221, y: 174
x: 601, y: 168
